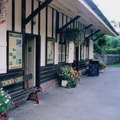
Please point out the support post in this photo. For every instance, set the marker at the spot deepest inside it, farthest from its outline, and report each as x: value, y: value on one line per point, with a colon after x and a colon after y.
x: 92, y: 34
x: 88, y: 27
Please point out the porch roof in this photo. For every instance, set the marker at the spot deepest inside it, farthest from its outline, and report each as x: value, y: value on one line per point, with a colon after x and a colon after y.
x: 89, y: 12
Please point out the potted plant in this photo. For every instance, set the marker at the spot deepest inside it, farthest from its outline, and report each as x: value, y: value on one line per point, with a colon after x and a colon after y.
x: 73, y: 35
x: 69, y: 77
x: 5, y: 104
x: 102, y: 66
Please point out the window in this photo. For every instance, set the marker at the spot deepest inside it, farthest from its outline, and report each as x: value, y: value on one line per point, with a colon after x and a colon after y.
x: 62, y: 50
x: 61, y: 53
x: 15, y: 47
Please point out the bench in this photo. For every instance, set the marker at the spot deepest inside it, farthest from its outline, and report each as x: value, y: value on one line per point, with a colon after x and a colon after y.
x: 27, y: 93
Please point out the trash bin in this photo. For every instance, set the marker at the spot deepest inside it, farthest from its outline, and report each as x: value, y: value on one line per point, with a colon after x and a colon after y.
x: 93, y: 68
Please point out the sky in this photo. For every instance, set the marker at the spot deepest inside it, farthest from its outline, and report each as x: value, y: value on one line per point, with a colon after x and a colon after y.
x: 110, y: 8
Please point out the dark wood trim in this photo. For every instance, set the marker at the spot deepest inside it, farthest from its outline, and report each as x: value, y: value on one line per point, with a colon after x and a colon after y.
x: 77, y: 57
x: 57, y: 23
x: 30, y: 17
x: 92, y: 34
x: 71, y: 23
x: 13, y: 15
x: 39, y: 20
x: 67, y: 24
x: 38, y: 60
x: 32, y: 4
x: 52, y: 22
x: 23, y: 11
x: 99, y: 37
x: 23, y: 29
x: 46, y: 34
x: 88, y: 26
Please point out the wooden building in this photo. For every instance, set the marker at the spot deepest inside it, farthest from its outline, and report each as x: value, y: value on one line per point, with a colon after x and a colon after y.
x: 31, y: 40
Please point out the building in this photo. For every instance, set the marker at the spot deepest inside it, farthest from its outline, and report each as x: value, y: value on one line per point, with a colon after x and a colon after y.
x: 31, y: 41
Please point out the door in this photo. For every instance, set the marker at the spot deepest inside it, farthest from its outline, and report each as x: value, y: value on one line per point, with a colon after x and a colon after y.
x: 30, y: 59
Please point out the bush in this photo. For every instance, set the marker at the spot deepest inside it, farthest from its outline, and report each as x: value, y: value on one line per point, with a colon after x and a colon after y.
x: 113, y: 51
x: 118, y: 49
x: 102, y: 42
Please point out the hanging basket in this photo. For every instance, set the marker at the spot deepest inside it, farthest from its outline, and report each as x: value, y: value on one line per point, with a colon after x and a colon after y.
x: 73, y: 35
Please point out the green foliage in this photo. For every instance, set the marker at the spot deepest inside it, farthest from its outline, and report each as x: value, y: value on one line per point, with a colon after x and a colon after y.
x: 102, y: 42
x: 115, y: 65
x: 73, y: 35
x: 69, y: 74
x: 107, y: 45
x: 5, y: 101
x: 118, y: 49
x: 114, y: 43
x: 113, y: 51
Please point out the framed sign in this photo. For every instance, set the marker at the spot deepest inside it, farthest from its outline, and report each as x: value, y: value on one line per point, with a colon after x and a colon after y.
x: 50, y: 51
x: 15, y: 49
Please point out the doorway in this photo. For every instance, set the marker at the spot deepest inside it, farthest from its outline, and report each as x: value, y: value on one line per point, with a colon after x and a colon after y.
x: 32, y: 59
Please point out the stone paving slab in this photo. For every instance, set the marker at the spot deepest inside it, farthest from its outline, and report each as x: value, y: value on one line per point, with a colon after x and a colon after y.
x: 95, y: 98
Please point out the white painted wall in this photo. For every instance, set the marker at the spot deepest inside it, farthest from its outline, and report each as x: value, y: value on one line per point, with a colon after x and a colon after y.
x: 3, y: 66
x: 91, y: 49
x: 43, y: 37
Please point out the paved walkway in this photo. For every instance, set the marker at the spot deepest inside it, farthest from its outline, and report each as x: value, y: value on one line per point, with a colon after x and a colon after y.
x: 95, y: 98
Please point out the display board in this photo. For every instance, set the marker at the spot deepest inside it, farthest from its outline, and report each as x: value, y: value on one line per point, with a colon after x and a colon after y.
x: 50, y: 51
x: 93, y: 68
x: 15, y: 48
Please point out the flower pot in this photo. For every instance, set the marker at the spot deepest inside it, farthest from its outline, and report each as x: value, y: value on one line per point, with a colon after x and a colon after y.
x: 102, y: 70
x: 64, y: 83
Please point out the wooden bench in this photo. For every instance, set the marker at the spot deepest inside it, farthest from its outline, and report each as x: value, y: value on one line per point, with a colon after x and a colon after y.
x: 27, y: 93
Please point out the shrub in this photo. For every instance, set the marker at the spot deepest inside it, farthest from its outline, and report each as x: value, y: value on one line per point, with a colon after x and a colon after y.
x: 118, y: 49
x: 112, y: 51
x: 102, y: 42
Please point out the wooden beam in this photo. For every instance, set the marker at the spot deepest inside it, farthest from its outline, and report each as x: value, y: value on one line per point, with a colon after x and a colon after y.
x: 92, y: 34
x: 67, y: 24
x: 88, y: 27
x: 30, y: 17
x: 99, y: 37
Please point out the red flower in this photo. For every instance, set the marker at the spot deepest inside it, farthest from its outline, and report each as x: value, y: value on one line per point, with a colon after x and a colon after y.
x: 67, y: 66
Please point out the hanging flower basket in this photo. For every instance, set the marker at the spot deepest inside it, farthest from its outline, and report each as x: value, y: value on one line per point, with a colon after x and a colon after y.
x: 3, y: 11
x: 73, y: 35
